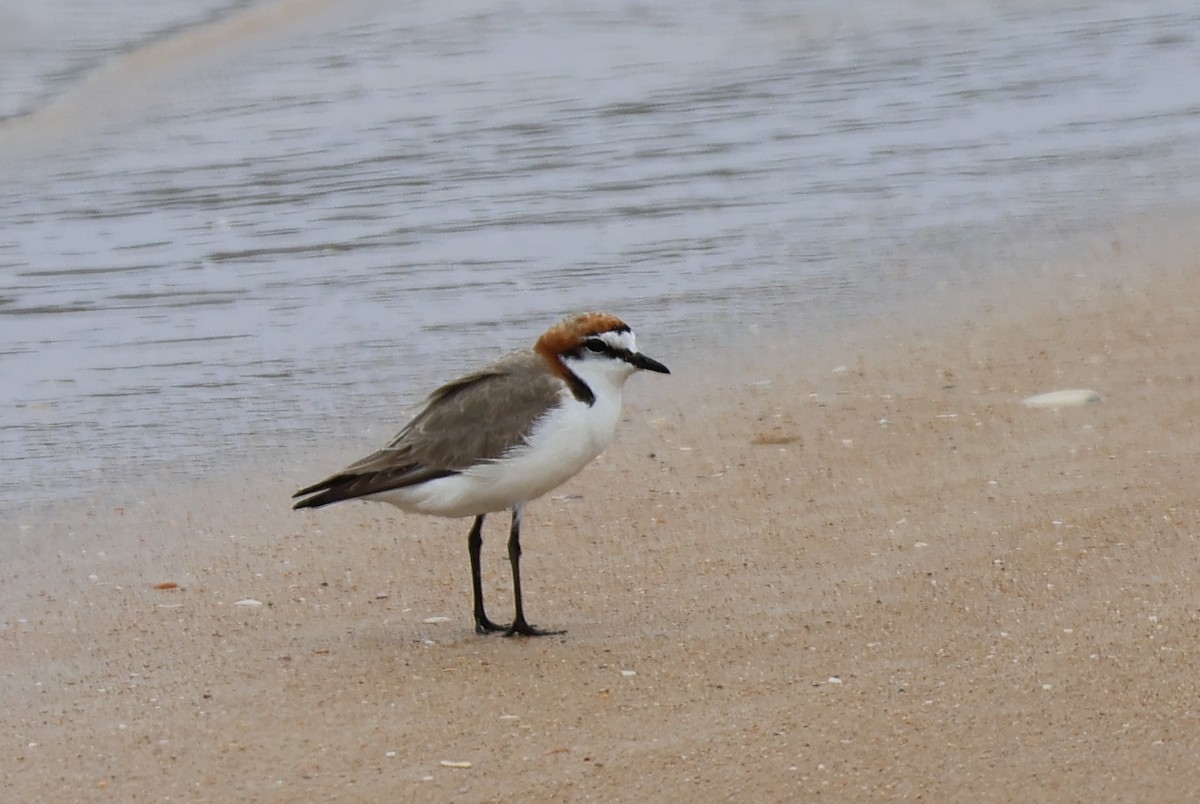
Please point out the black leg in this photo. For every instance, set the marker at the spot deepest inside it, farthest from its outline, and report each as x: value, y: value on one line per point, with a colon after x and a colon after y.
x: 519, y: 626
x: 474, y: 544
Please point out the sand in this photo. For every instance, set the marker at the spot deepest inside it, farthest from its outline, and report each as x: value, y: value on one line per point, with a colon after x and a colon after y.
x: 847, y: 568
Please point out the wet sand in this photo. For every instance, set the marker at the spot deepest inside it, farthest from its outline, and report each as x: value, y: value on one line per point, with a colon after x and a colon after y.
x: 850, y: 568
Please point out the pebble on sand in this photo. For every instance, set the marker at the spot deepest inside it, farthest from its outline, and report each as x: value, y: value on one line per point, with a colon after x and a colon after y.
x: 1070, y: 398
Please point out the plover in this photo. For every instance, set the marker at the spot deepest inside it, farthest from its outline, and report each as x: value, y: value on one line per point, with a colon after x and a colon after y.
x: 501, y: 437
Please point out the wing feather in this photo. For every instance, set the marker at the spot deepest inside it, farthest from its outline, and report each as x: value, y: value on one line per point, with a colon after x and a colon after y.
x: 475, y: 418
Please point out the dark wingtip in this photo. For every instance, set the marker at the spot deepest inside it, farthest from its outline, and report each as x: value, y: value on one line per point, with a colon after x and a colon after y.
x: 324, y: 484
x: 352, y: 486
x: 319, y: 495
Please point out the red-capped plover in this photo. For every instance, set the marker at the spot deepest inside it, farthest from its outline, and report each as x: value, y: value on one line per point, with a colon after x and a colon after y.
x: 502, y: 436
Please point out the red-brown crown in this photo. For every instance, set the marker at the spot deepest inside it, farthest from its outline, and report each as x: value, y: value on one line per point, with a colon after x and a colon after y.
x: 567, y: 334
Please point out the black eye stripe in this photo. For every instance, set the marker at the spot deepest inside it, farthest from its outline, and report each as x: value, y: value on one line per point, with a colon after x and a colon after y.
x: 598, y: 346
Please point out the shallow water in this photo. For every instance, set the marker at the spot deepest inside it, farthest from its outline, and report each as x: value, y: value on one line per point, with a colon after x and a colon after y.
x: 228, y: 227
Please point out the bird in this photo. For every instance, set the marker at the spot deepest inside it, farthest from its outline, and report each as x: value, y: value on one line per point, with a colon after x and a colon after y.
x: 500, y: 437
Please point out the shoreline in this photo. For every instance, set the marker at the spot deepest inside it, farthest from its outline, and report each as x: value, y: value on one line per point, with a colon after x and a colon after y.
x: 855, y: 563
x: 356, y: 417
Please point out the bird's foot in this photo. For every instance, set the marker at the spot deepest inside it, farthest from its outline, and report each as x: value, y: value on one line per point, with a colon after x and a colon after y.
x: 522, y: 628
x: 485, y: 626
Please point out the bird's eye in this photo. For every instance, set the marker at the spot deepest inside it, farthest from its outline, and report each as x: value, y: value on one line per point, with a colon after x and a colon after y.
x: 594, y: 345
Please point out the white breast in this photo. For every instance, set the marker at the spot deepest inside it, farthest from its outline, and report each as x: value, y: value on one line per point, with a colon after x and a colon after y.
x: 567, y: 438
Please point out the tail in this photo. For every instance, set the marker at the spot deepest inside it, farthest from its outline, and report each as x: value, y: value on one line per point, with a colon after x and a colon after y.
x: 329, y: 490
x: 351, y: 485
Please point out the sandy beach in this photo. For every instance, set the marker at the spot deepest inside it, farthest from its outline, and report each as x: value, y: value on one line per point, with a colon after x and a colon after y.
x: 851, y: 568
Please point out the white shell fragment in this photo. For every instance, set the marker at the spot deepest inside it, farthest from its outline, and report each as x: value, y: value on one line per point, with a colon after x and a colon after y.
x: 248, y: 602
x: 446, y: 763
x: 1070, y: 398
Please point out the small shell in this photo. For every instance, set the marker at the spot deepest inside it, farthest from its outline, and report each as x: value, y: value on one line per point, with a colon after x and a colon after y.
x: 1070, y: 398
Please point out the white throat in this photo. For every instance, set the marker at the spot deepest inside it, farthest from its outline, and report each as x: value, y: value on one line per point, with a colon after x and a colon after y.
x: 604, y: 374
x: 605, y: 377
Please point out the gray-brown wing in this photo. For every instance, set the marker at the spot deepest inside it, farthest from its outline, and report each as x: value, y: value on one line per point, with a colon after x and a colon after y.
x: 481, y: 416
x: 477, y: 417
